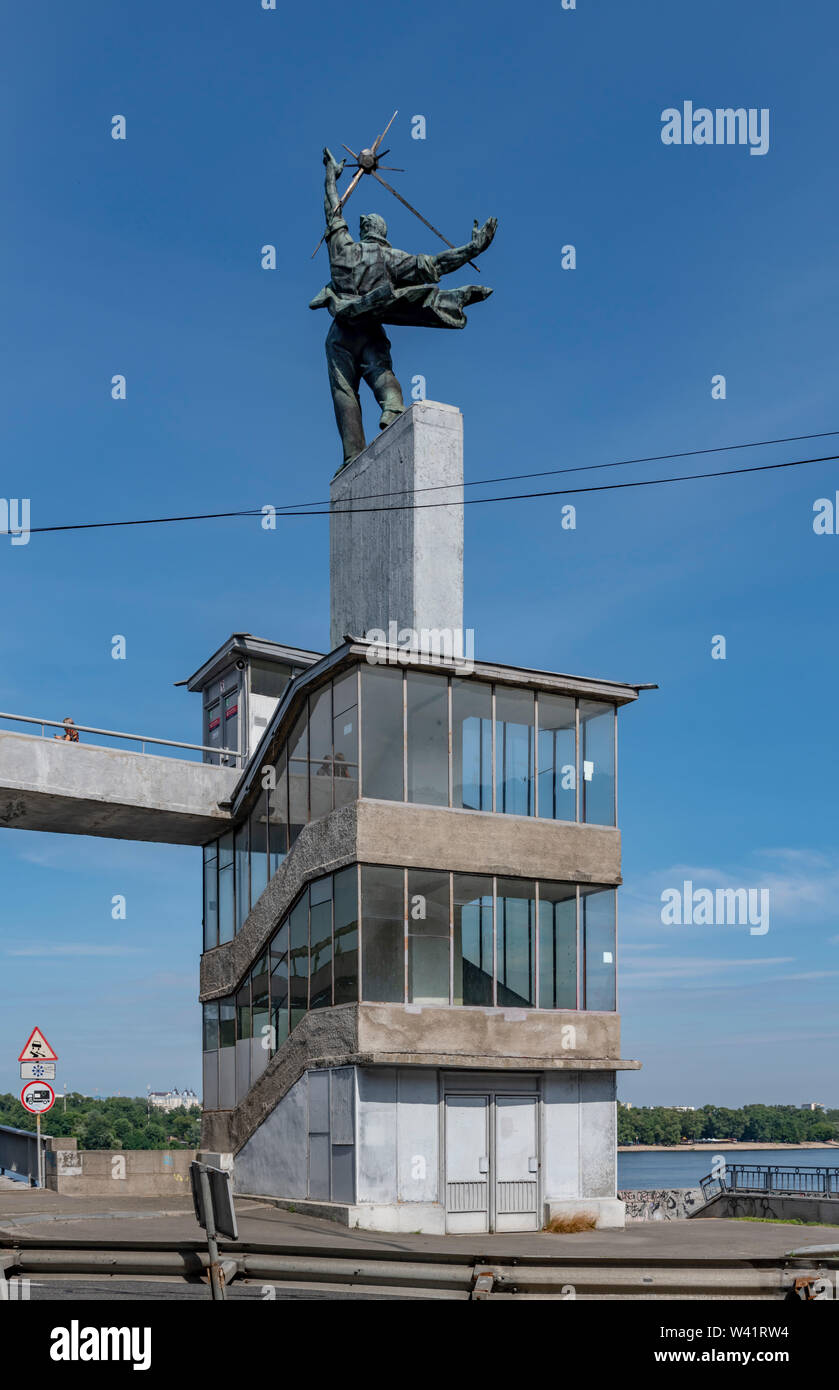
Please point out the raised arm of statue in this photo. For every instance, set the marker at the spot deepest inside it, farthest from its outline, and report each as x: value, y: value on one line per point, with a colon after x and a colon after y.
x: 447, y: 261
x: 330, y: 184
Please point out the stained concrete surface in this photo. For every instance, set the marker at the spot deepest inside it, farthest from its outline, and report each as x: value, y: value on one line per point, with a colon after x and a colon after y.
x: 44, y: 1216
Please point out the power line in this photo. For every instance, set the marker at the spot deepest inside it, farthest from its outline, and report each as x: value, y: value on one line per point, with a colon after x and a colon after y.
x: 588, y: 467
x: 421, y: 506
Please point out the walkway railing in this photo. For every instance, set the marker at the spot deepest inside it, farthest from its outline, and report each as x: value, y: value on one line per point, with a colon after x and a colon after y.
x: 19, y: 1153
x: 231, y: 758
x: 772, y: 1178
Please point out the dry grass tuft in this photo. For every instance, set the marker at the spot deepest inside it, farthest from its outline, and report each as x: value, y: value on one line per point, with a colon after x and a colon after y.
x: 570, y: 1225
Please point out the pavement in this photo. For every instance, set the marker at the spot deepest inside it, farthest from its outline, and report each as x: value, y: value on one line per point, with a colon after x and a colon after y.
x: 45, y: 1216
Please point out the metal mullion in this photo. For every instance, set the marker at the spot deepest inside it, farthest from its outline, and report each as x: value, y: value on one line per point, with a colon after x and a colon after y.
x: 577, y: 762
x: 492, y: 758
x: 615, y: 961
x: 615, y: 716
x: 535, y: 754
x: 404, y: 735
x: 451, y: 937
x: 405, y: 936
x: 451, y: 742
x: 536, y: 951
x: 358, y: 925
x: 494, y: 937
x: 581, y: 953
x: 358, y: 722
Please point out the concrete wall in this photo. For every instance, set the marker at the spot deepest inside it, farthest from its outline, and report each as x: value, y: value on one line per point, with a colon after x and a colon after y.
x: 400, y: 565
x: 824, y: 1210
x: 82, y: 789
x: 366, y: 1142
x: 118, y: 1172
x: 661, y: 1204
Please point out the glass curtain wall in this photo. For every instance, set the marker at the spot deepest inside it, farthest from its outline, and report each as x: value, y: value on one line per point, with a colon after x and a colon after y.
x: 427, y: 739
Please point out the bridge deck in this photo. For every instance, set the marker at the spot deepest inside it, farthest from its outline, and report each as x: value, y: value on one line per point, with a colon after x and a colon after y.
x: 83, y: 789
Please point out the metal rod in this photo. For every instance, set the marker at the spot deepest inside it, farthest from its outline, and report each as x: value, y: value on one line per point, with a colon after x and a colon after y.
x: 216, y: 1277
x: 113, y: 733
x: 390, y: 188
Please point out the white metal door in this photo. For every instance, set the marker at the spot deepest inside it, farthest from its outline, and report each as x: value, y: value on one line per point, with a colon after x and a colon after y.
x: 516, y: 1176
x: 467, y: 1163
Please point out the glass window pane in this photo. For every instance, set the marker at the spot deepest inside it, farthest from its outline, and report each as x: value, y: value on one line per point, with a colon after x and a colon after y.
x: 260, y: 1019
x: 472, y: 939
x: 428, y: 937
x: 320, y: 788
x: 226, y: 1022
x: 211, y: 1026
x: 299, y: 960
x: 557, y: 946
x: 210, y: 898
x: 269, y: 678
x: 597, y: 762
x: 320, y: 928
x: 242, y: 875
x: 382, y: 935
x: 427, y: 701
x: 597, y: 908
x: 344, y: 702
x: 278, y: 960
x: 298, y: 799
x: 381, y: 715
x: 259, y: 847
x: 298, y: 742
x: 471, y: 745
x: 514, y: 738
x: 515, y: 916
x: 557, y: 757
x: 226, y: 924
x: 278, y: 815
x: 346, y: 936
x: 243, y: 1012
x: 345, y: 783
x: 320, y: 727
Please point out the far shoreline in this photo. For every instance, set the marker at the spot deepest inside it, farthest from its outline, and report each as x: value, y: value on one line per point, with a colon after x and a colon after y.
x: 711, y: 1146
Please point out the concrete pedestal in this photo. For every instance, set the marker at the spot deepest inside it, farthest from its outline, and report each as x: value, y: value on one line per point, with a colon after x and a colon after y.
x: 400, y: 566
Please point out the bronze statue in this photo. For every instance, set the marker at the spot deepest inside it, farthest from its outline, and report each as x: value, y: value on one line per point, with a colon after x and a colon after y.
x: 372, y: 284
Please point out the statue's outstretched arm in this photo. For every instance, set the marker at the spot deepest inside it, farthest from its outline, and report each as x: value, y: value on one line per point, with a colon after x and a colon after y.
x: 334, y: 170
x: 447, y: 261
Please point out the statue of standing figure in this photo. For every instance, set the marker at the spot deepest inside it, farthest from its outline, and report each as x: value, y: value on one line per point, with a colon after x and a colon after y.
x: 372, y: 284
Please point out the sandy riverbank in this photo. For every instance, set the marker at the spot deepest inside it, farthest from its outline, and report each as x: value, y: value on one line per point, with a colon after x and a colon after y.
x: 713, y: 1147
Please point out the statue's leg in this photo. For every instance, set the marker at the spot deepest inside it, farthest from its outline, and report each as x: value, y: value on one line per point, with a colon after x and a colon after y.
x: 344, y: 380
x: 377, y: 370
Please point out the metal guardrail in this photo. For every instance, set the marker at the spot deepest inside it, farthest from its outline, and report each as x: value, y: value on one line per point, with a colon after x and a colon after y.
x: 19, y: 1153
x: 142, y: 739
x: 763, y: 1179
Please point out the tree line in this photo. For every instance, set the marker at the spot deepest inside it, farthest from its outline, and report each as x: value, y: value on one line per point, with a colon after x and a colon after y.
x: 759, y: 1124
x: 115, y: 1122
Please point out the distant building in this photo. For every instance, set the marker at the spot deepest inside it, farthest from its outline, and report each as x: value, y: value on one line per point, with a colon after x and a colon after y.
x: 173, y: 1100
x: 682, y: 1109
x: 813, y: 1105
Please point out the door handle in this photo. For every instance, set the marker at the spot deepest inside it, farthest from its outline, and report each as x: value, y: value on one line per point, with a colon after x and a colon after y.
x: 533, y: 1165
x: 483, y: 1164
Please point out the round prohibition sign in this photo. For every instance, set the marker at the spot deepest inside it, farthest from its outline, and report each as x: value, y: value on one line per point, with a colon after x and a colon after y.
x: 37, y: 1097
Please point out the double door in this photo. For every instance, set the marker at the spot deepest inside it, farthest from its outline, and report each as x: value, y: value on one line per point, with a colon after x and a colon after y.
x: 492, y: 1162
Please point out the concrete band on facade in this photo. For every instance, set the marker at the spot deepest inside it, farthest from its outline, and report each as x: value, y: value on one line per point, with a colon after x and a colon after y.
x: 402, y: 1035
x: 406, y: 835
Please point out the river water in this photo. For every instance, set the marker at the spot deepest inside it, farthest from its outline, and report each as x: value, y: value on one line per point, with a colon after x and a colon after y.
x: 684, y: 1168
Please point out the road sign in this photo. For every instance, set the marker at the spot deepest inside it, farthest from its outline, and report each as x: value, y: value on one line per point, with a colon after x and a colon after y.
x: 37, y: 1071
x: 37, y: 1049
x: 37, y: 1097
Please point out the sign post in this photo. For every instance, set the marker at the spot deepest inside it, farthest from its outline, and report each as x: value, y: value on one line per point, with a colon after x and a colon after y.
x: 37, y: 1069
x: 213, y: 1201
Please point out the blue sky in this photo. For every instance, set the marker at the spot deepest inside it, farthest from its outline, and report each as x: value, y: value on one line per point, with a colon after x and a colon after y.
x: 142, y: 257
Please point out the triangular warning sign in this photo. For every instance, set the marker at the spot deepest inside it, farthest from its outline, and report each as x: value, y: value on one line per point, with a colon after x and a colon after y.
x: 37, y: 1049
